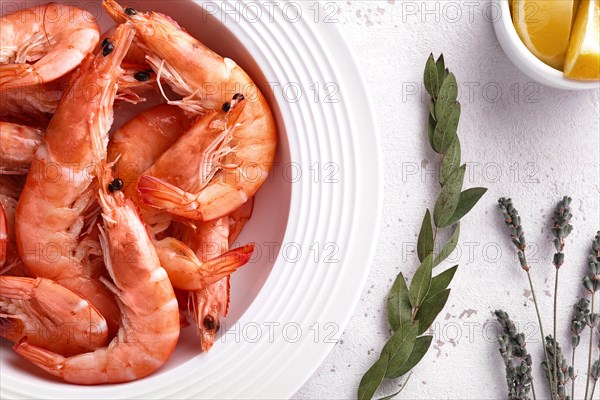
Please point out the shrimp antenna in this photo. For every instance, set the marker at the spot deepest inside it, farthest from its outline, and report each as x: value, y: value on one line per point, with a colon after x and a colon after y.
x: 44, y: 22
x: 158, y: 74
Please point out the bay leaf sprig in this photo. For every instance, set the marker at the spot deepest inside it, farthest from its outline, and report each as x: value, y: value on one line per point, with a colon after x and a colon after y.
x: 413, y: 307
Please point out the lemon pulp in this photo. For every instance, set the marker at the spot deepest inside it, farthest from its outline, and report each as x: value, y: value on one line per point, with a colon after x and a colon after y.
x: 544, y: 26
x: 583, y: 58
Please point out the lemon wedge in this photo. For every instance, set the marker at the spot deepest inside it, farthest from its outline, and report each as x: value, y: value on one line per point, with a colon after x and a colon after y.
x: 544, y: 26
x: 576, y: 4
x: 583, y: 57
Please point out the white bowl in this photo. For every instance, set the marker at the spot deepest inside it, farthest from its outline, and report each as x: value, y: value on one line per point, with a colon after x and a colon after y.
x: 520, y: 55
x: 322, y: 199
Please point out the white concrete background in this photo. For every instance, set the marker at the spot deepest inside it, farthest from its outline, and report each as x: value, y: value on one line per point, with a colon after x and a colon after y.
x: 523, y: 140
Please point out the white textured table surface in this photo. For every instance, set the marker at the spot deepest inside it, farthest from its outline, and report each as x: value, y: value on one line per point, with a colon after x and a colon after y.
x: 521, y: 139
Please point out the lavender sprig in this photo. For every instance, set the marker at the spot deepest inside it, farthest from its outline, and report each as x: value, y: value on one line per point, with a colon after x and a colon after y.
x: 513, y: 221
x: 578, y: 324
x: 557, y: 368
x: 561, y: 228
x: 579, y: 320
x: 516, y: 359
x: 595, y: 374
x: 592, y: 284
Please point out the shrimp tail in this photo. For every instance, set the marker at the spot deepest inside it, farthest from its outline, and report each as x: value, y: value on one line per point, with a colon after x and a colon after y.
x: 46, y: 360
x: 186, y: 272
x: 162, y: 195
x: 227, y: 263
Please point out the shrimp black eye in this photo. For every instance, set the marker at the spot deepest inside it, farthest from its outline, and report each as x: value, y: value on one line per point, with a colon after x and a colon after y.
x: 238, y: 96
x: 107, y: 48
x: 117, y: 184
x: 226, y: 106
x: 141, y: 76
x: 130, y: 11
x: 104, y: 42
x: 209, y: 323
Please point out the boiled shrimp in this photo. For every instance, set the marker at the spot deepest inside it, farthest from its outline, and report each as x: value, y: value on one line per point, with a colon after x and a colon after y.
x: 59, y: 194
x: 18, y: 144
x: 208, y: 240
x: 187, y: 66
x: 149, y: 327
x: 209, y: 305
x: 133, y: 154
x: 43, y: 43
x: 50, y: 316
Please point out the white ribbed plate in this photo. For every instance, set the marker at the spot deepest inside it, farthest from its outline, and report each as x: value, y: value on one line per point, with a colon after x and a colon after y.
x: 315, y: 223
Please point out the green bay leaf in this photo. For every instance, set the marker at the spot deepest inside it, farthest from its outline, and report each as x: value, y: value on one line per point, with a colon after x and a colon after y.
x: 430, y: 309
x: 447, y: 95
x: 430, y: 77
x: 441, y: 68
x: 418, y: 352
x: 399, y: 310
x: 373, y: 378
x: 441, y: 281
x: 448, y: 198
x: 466, y: 202
x: 450, y: 161
x: 419, y: 286
x: 425, y: 241
x: 399, y: 347
x: 430, y: 130
x: 447, y: 124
